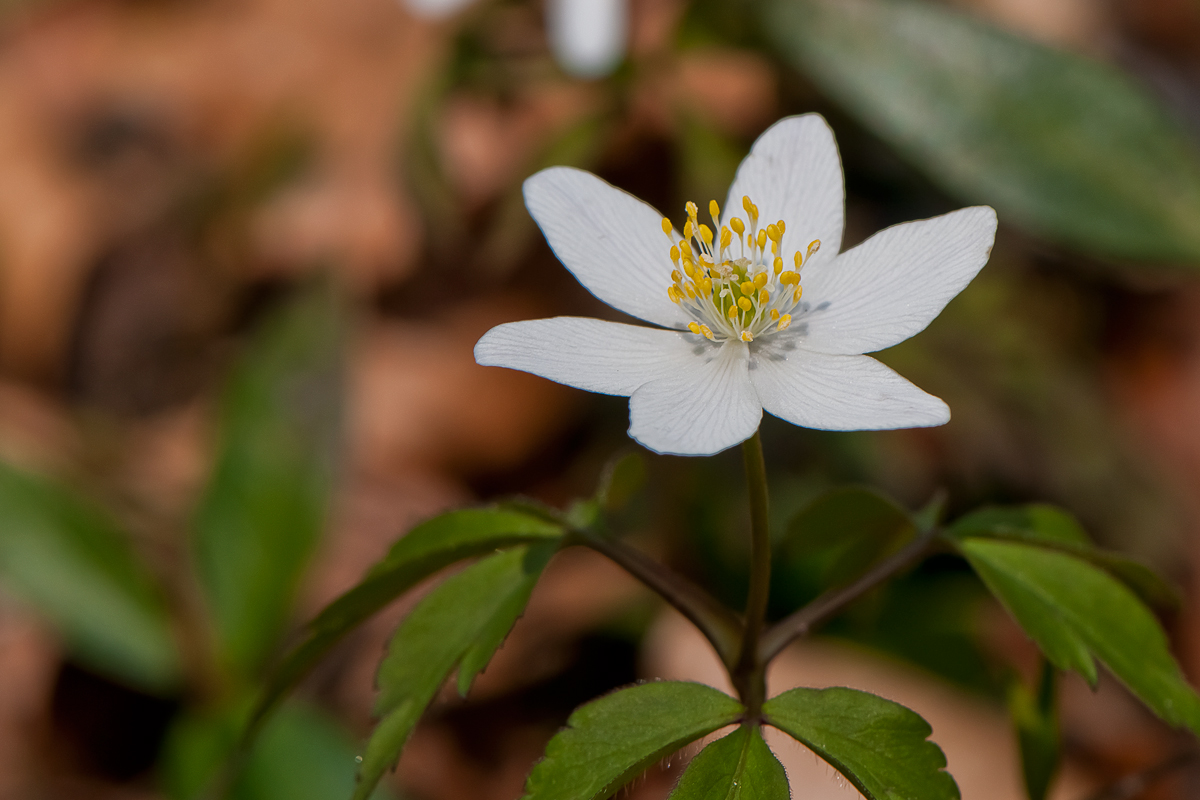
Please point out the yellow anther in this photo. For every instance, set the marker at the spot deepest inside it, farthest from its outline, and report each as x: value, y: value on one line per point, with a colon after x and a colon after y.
x: 773, y: 232
x: 691, y: 209
x: 762, y: 240
x: 706, y: 285
x: 673, y: 293
x: 685, y: 247
x: 691, y: 292
x: 760, y: 280
x: 750, y: 240
x: 706, y: 234
x: 747, y: 288
x: 694, y: 328
x: 687, y: 231
x: 732, y: 312
x: 813, y: 247
x: 674, y: 254
x: 746, y: 204
x: 789, y: 277
x: 714, y: 209
x: 747, y: 336
x: 799, y: 260
x: 707, y: 331
x: 784, y: 321
x: 796, y: 294
x: 689, y: 269
x: 726, y: 237
x: 763, y: 297
x: 745, y: 304
x: 676, y: 276
x: 774, y: 313
x: 667, y: 226
x: 778, y: 265
x: 738, y: 226
x: 782, y: 227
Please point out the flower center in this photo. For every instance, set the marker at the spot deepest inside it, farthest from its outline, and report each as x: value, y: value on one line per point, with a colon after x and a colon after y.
x: 734, y: 290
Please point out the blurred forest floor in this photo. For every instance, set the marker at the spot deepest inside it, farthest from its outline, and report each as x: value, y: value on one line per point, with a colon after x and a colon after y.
x: 168, y: 168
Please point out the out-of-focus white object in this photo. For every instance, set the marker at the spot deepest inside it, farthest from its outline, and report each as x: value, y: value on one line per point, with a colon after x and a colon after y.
x: 588, y: 37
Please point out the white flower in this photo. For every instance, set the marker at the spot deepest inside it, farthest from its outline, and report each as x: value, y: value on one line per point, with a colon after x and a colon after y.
x: 588, y: 37
x: 738, y: 333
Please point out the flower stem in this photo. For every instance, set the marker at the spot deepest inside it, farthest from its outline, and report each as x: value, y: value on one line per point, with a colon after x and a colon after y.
x: 749, y: 673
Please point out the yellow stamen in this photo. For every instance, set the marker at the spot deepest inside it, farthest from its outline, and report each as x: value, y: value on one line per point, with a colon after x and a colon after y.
x: 760, y: 280
x: 667, y: 226
x: 796, y: 295
x: 774, y: 313
x: 691, y: 293
x: 706, y: 234
x: 782, y: 227
x: 732, y: 312
x: 799, y: 260
x: 778, y: 265
x: 726, y: 237
x: 707, y: 331
x: 747, y: 336
x: 738, y: 226
x: 687, y: 230
x: 789, y: 277
x: 689, y: 269
x: 745, y: 304
x: 784, y: 321
x: 763, y: 297
x: 694, y: 328
x: 714, y: 210
x: 685, y: 247
x: 673, y: 293
x: 747, y: 288
x: 675, y: 276
x: 773, y: 233
x: 746, y: 204
x: 690, y: 208
x: 762, y: 240
x: 674, y: 254
x: 813, y: 247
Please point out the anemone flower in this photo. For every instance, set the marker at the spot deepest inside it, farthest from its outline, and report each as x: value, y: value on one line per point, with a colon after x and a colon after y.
x: 758, y: 311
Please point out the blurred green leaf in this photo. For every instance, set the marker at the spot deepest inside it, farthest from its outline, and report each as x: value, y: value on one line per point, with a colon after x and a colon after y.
x: 302, y: 754
x: 833, y: 540
x: 739, y: 766
x: 75, y: 566
x: 1062, y: 145
x: 265, y: 505
x: 462, y: 622
x: 1036, y: 720
x: 611, y: 740
x: 623, y: 478
x: 427, y: 548
x: 1073, y: 609
x: 880, y: 746
x: 1052, y: 527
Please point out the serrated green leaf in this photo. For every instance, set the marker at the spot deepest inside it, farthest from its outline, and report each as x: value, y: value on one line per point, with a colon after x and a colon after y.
x: 1065, y: 146
x: 73, y: 564
x: 622, y: 479
x: 427, y: 548
x: 469, y: 614
x: 880, y: 746
x: 265, y: 506
x: 1073, y: 609
x: 1035, y: 718
x: 833, y: 539
x: 611, y: 740
x: 739, y: 766
x: 1053, y: 527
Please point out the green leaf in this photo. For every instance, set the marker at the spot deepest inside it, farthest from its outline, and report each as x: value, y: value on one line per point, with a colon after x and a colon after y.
x: 265, y: 506
x: 833, y: 540
x: 622, y: 479
x: 465, y: 619
x: 1036, y: 721
x: 1073, y: 609
x: 611, y: 740
x: 739, y: 766
x: 429, y: 547
x: 880, y: 746
x: 1052, y: 527
x: 1067, y: 147
x: 74, y: 565
x: 301, y: 755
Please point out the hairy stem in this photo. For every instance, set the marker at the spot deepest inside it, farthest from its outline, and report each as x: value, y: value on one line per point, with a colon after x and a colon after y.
x: 800, y: 622
x: 718, y: 624
x: 748, y: 673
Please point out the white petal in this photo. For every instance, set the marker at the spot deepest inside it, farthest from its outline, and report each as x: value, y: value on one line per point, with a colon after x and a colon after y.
x: 794, y: 173
x: 587, y: 36
x: 700, y: 410
x: 610, y: 240
x: 435, y: 9
x: 892, y: 285
x: 840, y: 392
x: 589, y: 354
